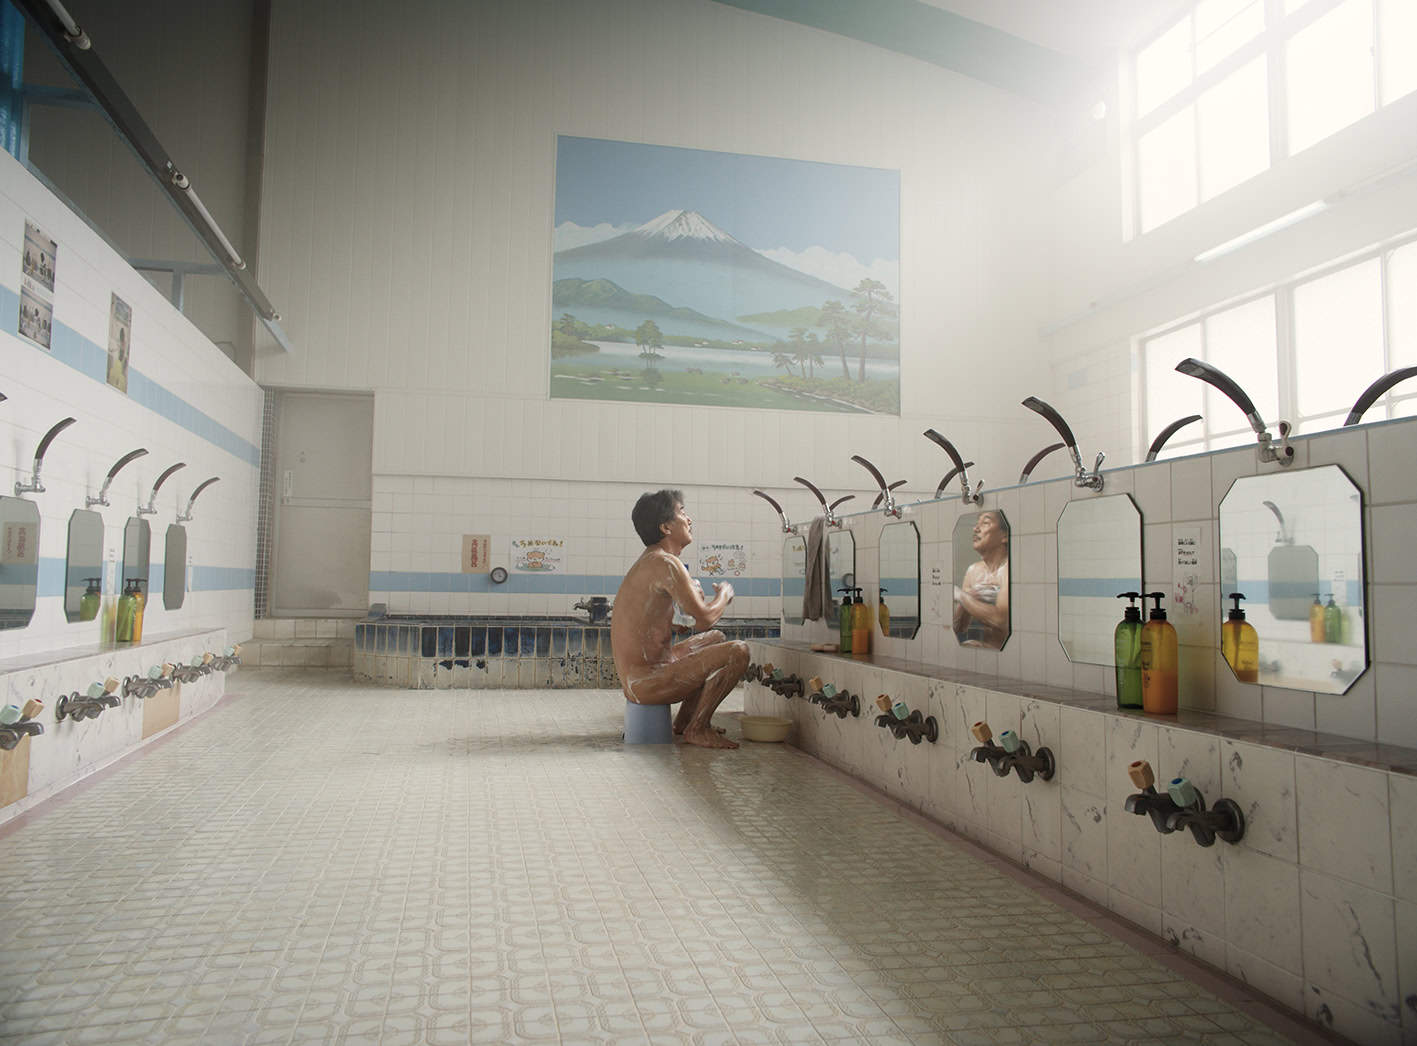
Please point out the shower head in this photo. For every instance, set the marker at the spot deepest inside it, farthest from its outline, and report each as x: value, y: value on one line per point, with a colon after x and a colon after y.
x: 1376, y: 389
x: 891, y: 510
x: 34, y: 485
x: 1166, y: 433
x: 960, y: 466
x: 882, y: 495
x: 951, y: 474
x: 1219, y: 379
x: 185, y: 516
x: 151, y: 508
x: 1092, y: 480
x: 787, y: 528
x: 102, y: 498
x: 1033, y: 461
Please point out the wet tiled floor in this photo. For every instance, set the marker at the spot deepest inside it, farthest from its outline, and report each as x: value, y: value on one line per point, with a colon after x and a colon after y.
x: 314, y: 861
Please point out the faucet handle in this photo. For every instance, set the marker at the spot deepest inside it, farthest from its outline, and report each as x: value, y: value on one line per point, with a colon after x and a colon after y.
x: 1141, y: 775
x: 32, y: 708
x: 981, y: 732
x: 1182, y: 792
x: 1008, y: 740
x: 814, y: 684
x: 883, y: 703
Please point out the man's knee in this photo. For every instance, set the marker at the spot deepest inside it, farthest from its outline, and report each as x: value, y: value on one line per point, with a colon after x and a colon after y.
x: 740, y: 657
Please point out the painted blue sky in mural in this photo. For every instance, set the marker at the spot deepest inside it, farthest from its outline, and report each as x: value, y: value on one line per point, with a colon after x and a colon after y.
x: 764, y: 201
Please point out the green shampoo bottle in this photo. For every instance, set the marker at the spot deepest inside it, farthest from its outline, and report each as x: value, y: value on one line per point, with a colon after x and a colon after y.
x: 843, y: 619
x: 1127, y: 649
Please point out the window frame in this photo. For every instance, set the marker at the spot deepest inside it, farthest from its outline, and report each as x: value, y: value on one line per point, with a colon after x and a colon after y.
x: 1217, y: 438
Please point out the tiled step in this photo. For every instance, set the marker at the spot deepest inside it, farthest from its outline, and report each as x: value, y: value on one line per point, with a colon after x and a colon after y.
x: 311, y: 642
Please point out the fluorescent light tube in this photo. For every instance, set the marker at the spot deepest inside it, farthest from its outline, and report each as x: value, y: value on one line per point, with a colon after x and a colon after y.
x: 1261, y: 231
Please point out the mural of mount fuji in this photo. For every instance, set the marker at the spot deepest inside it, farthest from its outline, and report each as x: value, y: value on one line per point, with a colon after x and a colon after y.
x: 687, y: 276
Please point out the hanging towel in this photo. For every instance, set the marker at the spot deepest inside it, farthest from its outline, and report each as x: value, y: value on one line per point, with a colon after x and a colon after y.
x: 814, y: 595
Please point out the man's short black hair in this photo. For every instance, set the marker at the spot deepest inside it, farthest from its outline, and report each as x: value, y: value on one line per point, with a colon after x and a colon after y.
x: 653, y: 510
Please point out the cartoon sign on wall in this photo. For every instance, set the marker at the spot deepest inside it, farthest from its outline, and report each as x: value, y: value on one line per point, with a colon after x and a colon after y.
x: 723, y: 559
x: 538, y: 555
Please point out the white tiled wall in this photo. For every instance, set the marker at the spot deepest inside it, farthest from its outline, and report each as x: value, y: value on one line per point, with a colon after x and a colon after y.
x: 167, y: 350
x: 1378, y: 458
x: 1314, y: 906
x: 419, y: 523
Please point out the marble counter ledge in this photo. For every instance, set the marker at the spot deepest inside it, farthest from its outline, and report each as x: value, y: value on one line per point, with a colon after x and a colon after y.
x: 46, y: 658
x: 1394, y: 758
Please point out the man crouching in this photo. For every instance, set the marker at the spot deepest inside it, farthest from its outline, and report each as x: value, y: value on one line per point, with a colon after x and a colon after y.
x: 701, y: 670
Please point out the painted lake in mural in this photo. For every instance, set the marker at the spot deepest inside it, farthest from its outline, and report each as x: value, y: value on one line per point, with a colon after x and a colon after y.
x: 685, y: 276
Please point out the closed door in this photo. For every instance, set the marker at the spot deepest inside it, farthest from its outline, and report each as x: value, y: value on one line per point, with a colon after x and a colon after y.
x: 323, y: 481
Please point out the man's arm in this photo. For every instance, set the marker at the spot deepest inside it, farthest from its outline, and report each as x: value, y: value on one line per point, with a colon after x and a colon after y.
x: 690, y: 596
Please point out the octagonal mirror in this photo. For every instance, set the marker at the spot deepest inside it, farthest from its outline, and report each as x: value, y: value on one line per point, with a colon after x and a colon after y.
x: 174, y: 567
x: 137, y: 553
x: 899, y: 615
x: 1099, y: 555
x: 83, y: 566
x: 841, y: 565
x: 794, y: 578
x: 1295, y: 540
x: 980, y: 545
x: 19, y: 561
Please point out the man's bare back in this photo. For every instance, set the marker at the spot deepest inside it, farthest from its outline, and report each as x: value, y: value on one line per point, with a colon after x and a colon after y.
x: 701, y: 670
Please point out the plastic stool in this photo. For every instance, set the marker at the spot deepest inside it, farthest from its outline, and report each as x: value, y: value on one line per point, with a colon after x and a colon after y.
x: 648, y: 724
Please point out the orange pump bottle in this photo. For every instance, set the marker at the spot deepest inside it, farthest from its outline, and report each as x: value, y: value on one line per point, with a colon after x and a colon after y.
x: 860, y: 627
x: 1159, y: 661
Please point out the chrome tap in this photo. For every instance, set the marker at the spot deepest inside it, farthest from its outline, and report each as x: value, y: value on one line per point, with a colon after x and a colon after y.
x: 1219, y: 379
x: 185, y: 516
x: 1082, y: 478
x: 891, y: 508
x: 787, y: 528
x: 34, y: 486
x: 961, y: 467
x: 150, y: 509
x: 828, y: 511
x: 102, y: 498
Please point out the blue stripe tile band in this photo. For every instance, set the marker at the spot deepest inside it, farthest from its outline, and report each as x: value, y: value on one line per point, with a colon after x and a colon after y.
x: 539, y: 584
x: 204, y: 578
x: 70, y: 347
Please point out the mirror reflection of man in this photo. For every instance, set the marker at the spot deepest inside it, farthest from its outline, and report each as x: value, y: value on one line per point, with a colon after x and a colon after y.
x: 700, y: 670
x: 981, y: 615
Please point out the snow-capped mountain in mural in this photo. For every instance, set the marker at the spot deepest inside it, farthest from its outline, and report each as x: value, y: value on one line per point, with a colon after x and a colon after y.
x: 683, y: 258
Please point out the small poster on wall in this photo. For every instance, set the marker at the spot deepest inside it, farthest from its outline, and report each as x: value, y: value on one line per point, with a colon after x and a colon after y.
x: 539, y: 555
x: 724, y: 559
x: 37, y: 285
x: 475, y: 553
x: 120, y: 341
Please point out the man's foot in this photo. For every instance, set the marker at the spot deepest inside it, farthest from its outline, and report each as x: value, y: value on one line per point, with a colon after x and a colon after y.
x: 707, y: 737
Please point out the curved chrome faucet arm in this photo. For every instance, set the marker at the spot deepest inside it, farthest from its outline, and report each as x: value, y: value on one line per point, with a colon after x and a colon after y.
x: 890, y: 509
x: 185, y: 516
x: 34, y: 485
x: 151, y: 508
x: 826, y: 509
x: 787, y: 528
x: 897, y: 484
x: 832, y: 519
x: 1092, y: 480
x: 1166, y: 433
x: 1219, y: 379
x: 1033, y: 462
x: 1375, y: 390
x: 102, y: 498
x: 960, y: 466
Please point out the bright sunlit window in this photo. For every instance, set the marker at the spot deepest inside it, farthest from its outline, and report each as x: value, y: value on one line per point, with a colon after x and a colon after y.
x: 1235, y: 85
x: 1344, y: 329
